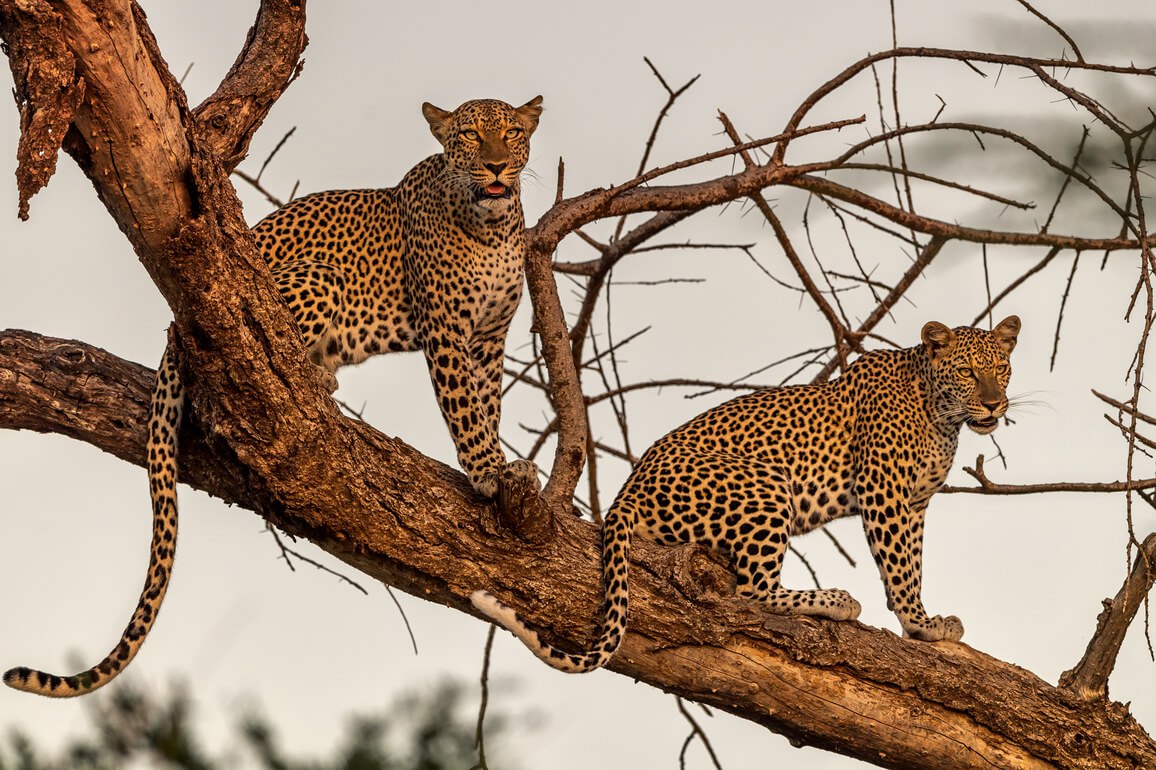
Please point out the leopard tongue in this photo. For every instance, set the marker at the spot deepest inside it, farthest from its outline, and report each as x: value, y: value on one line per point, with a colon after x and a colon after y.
x: 497, y: 188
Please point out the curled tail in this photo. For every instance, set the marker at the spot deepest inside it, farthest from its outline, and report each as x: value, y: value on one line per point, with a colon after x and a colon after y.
x: 165, y: 420
x: 616, y: 535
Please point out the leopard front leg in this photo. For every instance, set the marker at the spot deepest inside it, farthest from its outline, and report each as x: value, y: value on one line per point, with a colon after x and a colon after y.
x: 895, y: 534
x: 490, y: 356
x: 470, y: 404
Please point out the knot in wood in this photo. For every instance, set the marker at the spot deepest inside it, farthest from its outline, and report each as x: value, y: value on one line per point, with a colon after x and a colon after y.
x: 521, y: 509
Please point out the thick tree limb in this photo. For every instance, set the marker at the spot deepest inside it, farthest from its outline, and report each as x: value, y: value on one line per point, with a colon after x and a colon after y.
x: 413, y: 523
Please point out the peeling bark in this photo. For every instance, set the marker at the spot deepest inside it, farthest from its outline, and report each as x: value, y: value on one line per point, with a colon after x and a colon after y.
x: 48, y: 91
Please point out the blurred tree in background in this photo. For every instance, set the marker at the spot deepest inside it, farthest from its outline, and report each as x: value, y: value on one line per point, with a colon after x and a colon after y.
x: 137, y: 728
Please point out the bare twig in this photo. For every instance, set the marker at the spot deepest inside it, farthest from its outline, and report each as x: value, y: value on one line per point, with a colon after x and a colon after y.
x: 989, y: 487
x: 479, y: 731
x: 286, y: 552
x: 838, y: 546
x: 1059, y: 30
x: 696, y: 731
x: 1060, y: 314
x: 806, y: 563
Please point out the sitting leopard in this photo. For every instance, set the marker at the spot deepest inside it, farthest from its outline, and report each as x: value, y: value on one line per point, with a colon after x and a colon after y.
x: 748, y: 474
x: 434, y: 264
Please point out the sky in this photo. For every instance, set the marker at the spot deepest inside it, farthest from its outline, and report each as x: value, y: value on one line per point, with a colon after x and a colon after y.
x: 1026, y: 574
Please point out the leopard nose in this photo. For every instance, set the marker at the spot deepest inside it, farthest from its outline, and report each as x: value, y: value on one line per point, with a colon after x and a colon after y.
x: 993, y: 405
x: 496, y: 168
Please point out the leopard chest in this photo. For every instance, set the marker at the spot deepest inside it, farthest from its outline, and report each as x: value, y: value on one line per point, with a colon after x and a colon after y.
x: 932, y: 465
x: 491, y: 285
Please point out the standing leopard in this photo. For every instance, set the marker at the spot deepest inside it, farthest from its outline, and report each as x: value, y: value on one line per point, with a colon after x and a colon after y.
x: 434, y: 264
x: 748, y: 474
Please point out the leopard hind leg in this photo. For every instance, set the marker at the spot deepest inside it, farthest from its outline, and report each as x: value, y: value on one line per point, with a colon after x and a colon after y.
x: 758, y: 556
x: 739, y: 506
x: 315, y: 293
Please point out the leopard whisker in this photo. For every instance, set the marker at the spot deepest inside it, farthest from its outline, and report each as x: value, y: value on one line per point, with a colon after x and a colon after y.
x: 1021, y: 403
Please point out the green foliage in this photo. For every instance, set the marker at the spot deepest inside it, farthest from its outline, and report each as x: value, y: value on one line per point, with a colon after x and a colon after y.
x: 432, y: 730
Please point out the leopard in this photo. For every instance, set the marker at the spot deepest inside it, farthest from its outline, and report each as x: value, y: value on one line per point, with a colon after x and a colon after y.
x: 434, y: 264
x: 745, y: 476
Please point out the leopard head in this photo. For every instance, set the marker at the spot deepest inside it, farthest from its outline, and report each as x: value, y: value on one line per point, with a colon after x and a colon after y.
x: 486, y: 145
x: 969, y: 372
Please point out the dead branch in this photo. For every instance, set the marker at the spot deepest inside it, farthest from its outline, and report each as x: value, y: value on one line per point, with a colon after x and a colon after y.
x: 989, y: 487
x: 1089, y: 678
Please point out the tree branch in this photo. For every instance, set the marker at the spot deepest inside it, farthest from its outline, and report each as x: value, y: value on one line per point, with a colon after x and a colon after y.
x: 1089, y: 678
x: 989, y: 487
x: 266, y: 65
x: 411, y: 522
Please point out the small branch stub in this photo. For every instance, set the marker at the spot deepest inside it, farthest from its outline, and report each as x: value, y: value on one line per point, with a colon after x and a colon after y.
x: 1089, y: 679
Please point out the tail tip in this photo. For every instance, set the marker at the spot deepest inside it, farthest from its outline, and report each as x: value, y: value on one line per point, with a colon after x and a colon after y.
x: 14, y: 677
x: 504, y: 616
x: 486, y: 602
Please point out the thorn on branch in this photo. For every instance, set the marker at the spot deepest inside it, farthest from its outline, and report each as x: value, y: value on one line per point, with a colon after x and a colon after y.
x: 561, y: 180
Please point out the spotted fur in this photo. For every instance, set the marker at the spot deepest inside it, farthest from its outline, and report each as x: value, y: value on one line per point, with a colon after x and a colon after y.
x: 434, y: 264
x: 748, y: 474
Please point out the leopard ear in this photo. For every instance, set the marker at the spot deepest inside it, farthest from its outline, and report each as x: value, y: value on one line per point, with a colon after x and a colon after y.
x: 529, y: 113
x: 937, y: 339
x: 1007, y: 332
x: 438, y: 120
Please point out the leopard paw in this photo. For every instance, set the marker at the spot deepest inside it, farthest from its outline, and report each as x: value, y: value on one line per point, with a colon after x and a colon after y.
x: 486, y: 484
x: 935, y: 629
x: 840, y: 605
x: 327, y: 379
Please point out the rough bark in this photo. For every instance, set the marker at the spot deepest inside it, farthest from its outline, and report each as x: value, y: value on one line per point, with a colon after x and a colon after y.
x: 414, y: 523
x: 266, y: 436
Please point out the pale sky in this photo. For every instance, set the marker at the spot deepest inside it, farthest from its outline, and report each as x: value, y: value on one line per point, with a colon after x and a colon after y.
x: 1026, y: 575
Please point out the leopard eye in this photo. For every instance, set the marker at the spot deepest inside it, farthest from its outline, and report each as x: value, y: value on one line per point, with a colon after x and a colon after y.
x: 513, y: 133
x: 964, y: 371
x: 1002, y: 369
x: 470, y: 134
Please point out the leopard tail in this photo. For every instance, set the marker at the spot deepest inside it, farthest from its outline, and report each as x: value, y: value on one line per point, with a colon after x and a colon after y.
x: 617, y: 530
x: 164, y: 423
